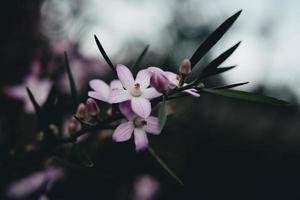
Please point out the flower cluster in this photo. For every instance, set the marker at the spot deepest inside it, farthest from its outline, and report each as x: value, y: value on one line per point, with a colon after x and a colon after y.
x: 134, y: 98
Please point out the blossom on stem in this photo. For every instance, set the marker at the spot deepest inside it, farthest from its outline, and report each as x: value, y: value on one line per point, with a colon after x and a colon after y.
x: 185, y: 67
x: 174, y: 80
x: 92, y: 107
x: 136, y: 90
x: 136, y: 125
x: 158, y: 79
x: 102, y: 90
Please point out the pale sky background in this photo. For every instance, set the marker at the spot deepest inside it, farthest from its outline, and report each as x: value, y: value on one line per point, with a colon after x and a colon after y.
x: 269, y: 30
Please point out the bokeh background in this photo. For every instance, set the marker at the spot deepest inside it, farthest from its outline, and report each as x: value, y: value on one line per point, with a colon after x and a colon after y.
x: 222, y: 148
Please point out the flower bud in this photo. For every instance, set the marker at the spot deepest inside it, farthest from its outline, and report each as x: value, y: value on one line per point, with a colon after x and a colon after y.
x: 72, y: 127
x: 159, y: 80
x: 81, y: 111
x: 185, y: 67
x: 92, y: 107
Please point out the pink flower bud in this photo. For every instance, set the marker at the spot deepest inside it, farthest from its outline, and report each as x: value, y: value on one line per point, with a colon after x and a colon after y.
x: 72, y: 126
x: 81, y: 111
x: 185, y: 67
x: 92, y: 107
x: 159, y: 80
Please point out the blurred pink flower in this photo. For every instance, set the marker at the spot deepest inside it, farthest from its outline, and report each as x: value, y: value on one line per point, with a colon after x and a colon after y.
x: 136, y: 125
x: 145, y: 188
x: 39, y: 87
x: 137, y: 91
x: 28, y: 185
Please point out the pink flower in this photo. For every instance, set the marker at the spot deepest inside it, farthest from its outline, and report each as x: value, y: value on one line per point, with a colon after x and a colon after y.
x: 137, y: 91
x: 136, y: 125
x: 24, y: 187
x: 145, y: 187
x: 158, y: 79
x: 39, y: 87
x: 174, y: 80
x: 102, y: 91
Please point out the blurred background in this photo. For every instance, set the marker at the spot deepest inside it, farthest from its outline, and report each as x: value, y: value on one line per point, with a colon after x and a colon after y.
x: 220, y: 147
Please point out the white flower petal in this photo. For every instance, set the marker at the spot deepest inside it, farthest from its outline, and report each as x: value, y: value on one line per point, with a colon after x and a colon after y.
x: 192, y: 92
x: 151, y: 93
x: 118, y: 96
x: 143, y: 78
x: 97, y: 95
x: 98, y: 85
x: 123, y: 132
x: 155, y: 69
x: 141, y: 106
x: 140, y: 139
x: 116, y: 84
x: 101, y: 88
x: 125, y: 76
x: 173, y: 78
x: 152, y: 125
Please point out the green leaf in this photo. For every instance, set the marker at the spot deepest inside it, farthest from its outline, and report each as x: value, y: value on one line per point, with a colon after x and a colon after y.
x: 36, y: 106
x: 212, y: 66
x: 140, y: 58
x: 164, y: 166
x: 162, y: 116
x: 84, y: 124
x: 213, y: 38
x: 216, y: 71
x: 51, y: 99
x: 105, y: 56
x: 72, y: 82
x: 230, y: 86
x: 247, y: 96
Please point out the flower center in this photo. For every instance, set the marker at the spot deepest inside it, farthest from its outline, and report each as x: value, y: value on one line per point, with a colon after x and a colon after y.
x: 136, y: 90
x: 139, y: 122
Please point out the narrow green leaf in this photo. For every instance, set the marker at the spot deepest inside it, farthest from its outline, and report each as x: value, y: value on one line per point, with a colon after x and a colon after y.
x: 72, y: 82
x: 83, y: 123
x: 164, y: 166
x: 51, y: 99
x: 212, y: 66
x: 230, y: 86
x: 36, y: 106
x: 105, y: 56
x: 213, y: 38
x: 247, y: 96
x: 139, y: 59
x: 216, y: 71
x: 162, y: 116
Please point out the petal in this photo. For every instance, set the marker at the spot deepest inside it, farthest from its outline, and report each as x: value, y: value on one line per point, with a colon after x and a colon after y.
x: 123, y: 132
x: 152, y: 125
x: 155, y: 70
x: 151, y: 93
x: 192, y: 92
x: 125, y: 108
x: 116, y: 84
x: 141, y: 106
x: 98, y: 85
x: 125, y: 76
x: 143, y: 78
x: 140, y: 139
x: 173, y: 78
x: 97, y: 95
x: 118, y: 96
x: 101, y: 88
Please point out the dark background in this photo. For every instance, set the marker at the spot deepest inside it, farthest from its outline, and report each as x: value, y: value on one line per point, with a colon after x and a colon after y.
x: 222, y: 148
